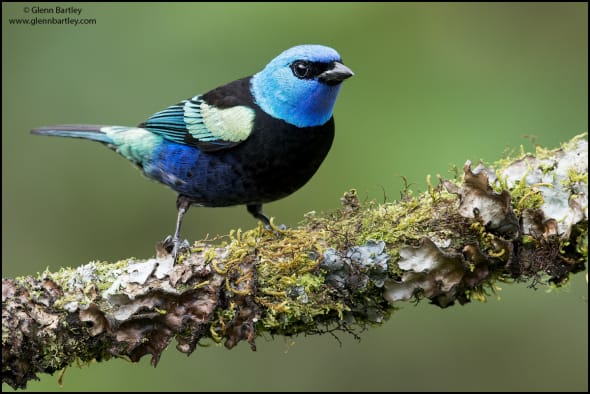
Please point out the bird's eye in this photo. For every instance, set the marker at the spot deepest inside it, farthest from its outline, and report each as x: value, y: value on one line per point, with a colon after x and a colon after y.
x: 301, y: 69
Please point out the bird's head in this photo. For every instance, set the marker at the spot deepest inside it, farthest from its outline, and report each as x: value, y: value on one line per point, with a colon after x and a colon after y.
x: 300, y: 86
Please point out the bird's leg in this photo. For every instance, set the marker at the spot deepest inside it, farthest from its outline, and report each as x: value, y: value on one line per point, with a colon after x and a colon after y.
x: 256, y: 211
x: 183, y: 203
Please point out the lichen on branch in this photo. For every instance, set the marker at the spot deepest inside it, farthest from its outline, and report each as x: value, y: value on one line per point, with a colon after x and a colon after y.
x: 521, y: 219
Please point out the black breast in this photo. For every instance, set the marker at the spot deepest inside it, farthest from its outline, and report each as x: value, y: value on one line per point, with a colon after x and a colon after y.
x: 279, y: 158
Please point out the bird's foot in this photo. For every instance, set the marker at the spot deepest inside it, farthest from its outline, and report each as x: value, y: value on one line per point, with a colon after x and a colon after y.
x: 175, y: 247
x: 277, y: 230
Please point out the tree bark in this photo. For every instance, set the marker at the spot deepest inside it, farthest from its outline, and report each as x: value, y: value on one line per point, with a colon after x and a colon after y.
x: 521, y: 219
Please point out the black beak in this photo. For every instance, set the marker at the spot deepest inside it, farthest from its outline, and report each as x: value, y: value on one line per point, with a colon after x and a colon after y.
x: 338, y: 73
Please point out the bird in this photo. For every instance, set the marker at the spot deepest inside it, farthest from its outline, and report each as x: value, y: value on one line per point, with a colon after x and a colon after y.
x: 248, y: 142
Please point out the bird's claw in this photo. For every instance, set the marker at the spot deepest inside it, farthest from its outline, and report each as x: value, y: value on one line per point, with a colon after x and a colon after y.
x: 175, y: 246
x: 277, y: 230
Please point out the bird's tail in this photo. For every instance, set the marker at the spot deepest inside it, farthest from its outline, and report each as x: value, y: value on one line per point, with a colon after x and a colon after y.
x: 133, y: 143
x: 86, y: 131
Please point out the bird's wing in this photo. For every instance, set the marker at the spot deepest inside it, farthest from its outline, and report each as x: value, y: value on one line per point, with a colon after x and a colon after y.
x: 197, y: 123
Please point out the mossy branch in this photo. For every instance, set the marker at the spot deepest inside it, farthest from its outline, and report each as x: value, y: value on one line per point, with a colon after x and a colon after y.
x: 522, y: 219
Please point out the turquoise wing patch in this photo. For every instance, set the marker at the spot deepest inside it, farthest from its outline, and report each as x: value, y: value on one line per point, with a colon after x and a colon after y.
x: 194, y: 122
x: 168, y: 123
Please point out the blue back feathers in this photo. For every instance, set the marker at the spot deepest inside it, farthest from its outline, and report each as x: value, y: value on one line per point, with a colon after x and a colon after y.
x: 300, y: 102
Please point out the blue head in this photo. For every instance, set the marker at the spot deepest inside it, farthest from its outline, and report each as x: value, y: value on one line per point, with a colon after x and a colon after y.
x: 300, y: 86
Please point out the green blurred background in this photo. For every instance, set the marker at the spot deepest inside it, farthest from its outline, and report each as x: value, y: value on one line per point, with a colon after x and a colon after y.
x: 435, y: 85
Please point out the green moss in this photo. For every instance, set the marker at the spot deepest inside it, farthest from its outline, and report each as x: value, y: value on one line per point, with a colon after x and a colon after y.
x: 573, y: 178
x: 291, y: 286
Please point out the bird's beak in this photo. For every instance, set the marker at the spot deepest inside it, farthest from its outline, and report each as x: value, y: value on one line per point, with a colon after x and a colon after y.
x: 338, y: 73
